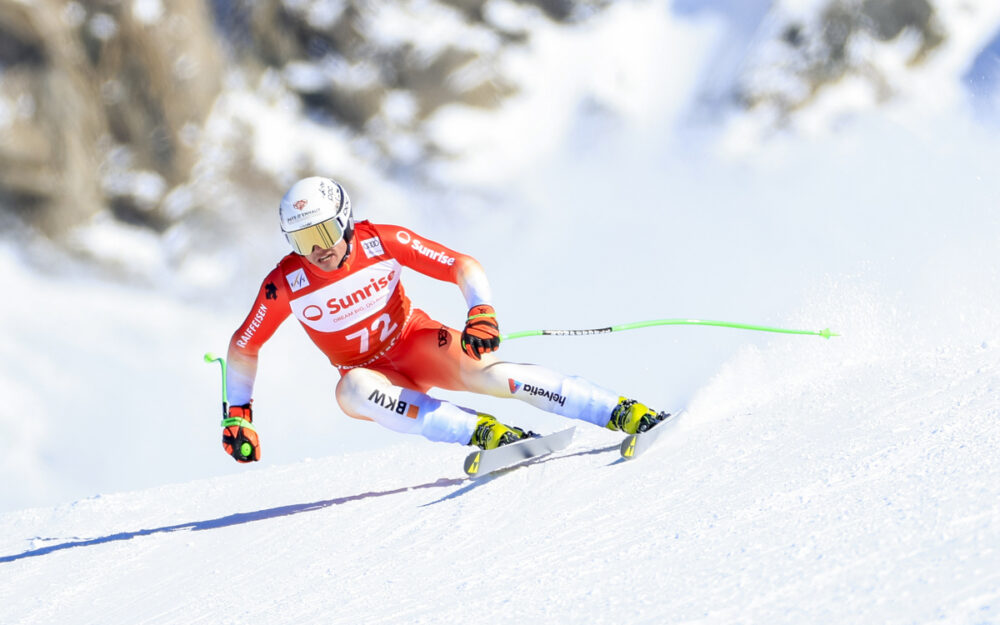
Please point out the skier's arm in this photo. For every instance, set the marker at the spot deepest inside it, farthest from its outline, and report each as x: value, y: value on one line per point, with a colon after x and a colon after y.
x: 437, y: 261
x: 482, y: 333
x: 269, y: 309
x: 471, y: 279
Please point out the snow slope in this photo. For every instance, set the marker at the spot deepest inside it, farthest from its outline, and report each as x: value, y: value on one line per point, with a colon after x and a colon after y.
x: 849, y: 481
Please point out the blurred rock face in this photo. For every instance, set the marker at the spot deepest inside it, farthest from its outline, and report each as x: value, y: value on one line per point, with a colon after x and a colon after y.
x: 814, y: 51
x: 352, y: 73
x: 101, y: 101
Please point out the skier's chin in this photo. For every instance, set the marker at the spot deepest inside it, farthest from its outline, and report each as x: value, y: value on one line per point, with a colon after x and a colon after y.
x: 326, y: 263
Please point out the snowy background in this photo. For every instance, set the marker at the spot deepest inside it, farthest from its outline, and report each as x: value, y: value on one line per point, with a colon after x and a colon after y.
x: 849, y: 480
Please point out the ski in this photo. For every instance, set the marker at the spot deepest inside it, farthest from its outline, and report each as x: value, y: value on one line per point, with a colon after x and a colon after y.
x: 485, y: 461
x: 635, y: 444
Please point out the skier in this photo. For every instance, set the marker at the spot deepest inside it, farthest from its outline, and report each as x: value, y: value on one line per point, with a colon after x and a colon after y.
x: 342, y: 283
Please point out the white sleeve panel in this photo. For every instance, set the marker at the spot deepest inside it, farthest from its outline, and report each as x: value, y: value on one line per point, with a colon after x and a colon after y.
x: 474, y: 284
x: 241, y: 371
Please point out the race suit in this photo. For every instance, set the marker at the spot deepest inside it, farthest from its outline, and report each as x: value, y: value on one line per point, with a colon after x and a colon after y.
x: 390, y: 354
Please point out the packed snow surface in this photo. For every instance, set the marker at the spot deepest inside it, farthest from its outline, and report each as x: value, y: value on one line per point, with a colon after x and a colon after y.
x: 854, y: 481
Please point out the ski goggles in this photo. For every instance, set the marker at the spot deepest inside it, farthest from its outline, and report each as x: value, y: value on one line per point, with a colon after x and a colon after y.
x: 325, y: 234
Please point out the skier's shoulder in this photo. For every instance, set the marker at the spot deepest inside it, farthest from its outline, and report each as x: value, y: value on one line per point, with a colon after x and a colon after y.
x: 383, y: 230
x: 288, y: 274
x: 395, y: 233
x: 386, y: 237
x: 289, y: 262
x: 404, y: 243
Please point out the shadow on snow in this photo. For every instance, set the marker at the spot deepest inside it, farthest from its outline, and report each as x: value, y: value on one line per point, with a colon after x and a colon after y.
x: 475, y: 482
x: 241, y: 518
x: 230, y: 520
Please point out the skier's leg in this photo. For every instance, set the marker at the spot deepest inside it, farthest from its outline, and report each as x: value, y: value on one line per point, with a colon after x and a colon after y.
x: 432, y: 356
x: 370, y: 395
x: 566, y: 395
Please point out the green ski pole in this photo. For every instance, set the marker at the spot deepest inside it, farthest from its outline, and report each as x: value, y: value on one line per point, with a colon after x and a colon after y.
x: 209, y: 358
x: 825, y: 333
x: 247, y: 448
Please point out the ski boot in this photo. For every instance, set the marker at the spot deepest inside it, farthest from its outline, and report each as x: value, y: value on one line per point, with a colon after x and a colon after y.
x: 490, y: 433
x: 631, y: 417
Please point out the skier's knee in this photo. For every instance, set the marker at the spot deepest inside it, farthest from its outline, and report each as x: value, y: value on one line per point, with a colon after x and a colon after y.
x: 354, y: 388
x: 484, y: 375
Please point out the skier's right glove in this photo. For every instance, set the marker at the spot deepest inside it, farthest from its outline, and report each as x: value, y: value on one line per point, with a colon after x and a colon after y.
x: 481, y: 334
x: 239, y: 438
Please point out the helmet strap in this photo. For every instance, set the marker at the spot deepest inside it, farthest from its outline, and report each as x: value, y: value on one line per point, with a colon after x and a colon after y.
x: 349, y: 237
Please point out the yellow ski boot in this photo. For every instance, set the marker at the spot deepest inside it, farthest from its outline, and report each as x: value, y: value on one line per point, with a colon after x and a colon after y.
x: 490, y: 433
x: 631, y: 416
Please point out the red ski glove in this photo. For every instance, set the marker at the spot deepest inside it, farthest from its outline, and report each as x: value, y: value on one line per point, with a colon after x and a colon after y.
x: 239, y: 438
x: 481, y: 334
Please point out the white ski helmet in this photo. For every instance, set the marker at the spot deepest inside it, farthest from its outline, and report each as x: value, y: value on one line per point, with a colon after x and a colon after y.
x: 316, y: 211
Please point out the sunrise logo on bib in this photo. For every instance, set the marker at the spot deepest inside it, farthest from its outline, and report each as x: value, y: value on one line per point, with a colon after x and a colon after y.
x: 342, y: 304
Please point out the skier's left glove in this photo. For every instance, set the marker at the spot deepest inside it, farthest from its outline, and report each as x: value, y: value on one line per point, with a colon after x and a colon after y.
x: 239, y: 438
x: 481, y: 334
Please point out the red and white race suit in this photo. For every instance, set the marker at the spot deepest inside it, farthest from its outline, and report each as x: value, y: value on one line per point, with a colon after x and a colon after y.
x: 389, y: 353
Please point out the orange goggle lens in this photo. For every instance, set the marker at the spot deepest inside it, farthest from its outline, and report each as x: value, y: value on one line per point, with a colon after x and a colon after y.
x: 325, y: 235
